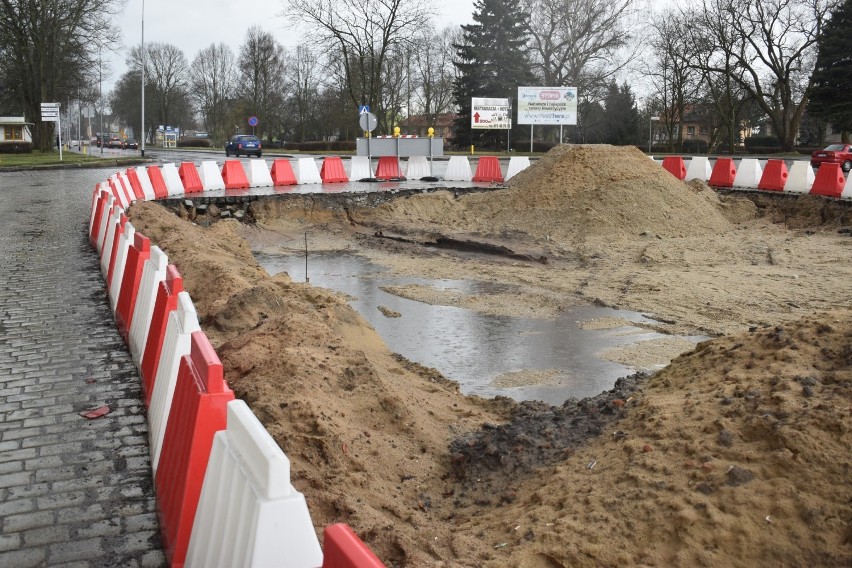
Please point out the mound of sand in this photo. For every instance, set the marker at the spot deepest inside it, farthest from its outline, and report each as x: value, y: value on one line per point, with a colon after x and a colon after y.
x: 572, y: 194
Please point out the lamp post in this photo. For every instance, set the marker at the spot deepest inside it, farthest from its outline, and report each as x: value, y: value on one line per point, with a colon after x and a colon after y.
x: 142, y: 122
x: 651, y: 120
x: 101, y: 95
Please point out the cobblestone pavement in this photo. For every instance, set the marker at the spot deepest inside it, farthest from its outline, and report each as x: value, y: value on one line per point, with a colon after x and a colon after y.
x: 73, y: 492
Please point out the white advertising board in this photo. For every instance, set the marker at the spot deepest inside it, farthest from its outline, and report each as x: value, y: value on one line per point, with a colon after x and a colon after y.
x: 490, y: 114
x: 547, y: 105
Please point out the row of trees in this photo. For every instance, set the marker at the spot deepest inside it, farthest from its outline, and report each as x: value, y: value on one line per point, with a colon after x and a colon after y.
x: 730, y: 61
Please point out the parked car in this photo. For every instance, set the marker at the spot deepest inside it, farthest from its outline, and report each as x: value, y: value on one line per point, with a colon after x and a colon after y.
x: 130, y: 144
x: 834, y: 154
x: 114, y: 142
x: 243, y: 144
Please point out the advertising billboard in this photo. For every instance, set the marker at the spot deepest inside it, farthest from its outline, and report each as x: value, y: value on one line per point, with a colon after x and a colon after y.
x: 490, y: 113
x: 547, y: 105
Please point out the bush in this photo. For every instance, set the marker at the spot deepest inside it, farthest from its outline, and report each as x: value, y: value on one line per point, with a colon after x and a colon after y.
x: 694, y: 147
x: 194, y: 143
x: 538, y: 146
x: 762, y: 144
x: 322, y: 146
x: 16, y: 147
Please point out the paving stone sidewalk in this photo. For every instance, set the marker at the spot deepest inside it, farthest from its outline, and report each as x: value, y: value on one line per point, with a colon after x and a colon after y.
x: 73, y: 492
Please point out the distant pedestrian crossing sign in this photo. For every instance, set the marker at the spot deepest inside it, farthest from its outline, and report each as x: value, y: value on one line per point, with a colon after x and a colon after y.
x: 363, y: 109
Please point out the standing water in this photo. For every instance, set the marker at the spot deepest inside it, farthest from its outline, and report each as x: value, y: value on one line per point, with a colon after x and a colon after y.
x: 481, y: 352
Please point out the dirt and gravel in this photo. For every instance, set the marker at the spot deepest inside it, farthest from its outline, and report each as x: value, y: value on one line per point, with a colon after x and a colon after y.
x: 735, y: 454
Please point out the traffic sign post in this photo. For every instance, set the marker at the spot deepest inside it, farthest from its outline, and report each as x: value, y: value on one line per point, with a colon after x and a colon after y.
x: 368, y: 123
x: 252, y: 121
x: 50, y: 113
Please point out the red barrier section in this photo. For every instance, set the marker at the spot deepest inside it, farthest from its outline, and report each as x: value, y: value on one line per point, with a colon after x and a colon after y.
x: 724, y: 173
x: 135, y: 184
x: 774, y: 176
x: 343, y: 549
x: 137, y: 254
x: 388, y: 168
x: 675, y: 166
x: 282, y: 173
x: 108, y: 212
x: 164, y: 304
x: 829, y: 181
x: 198, y: 412
x: 332, y: 170
x: 488, y: 169
x: 158, y: 182
x: 190, y: 178
x: 119, y: 230
x: 119, y: 193
x: 100, y: 211
x: 234, y: 175
x: 128, y: 192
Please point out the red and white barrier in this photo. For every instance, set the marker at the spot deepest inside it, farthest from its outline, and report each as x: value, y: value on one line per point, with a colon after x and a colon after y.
x: 801, y: 178
x: 145, y: 182
x: 517, y: 164
x: 100, y: 218
x: 488, y: 170
x: 264, y: 519
x: 388, y: 168
x: 211, y: 177
x: 164, y: 304
x: 307, y: 172
x: 748, y: 174
x: 675, y: 166
x: 258, y: 174
x: 699, y: 168
x: 458, y: 169
x: 181, y: 324
x: 343, y: 549
x: 847, y: 189
x: 174, y: 185
x: 120, y: 254
x: 359, y: 168
x: 115, y: 226
x: 158, y: 182
x: 282, y: 173
x: 153, y: 272
x: 198, y: 412
x: 190, y: 178
x: 137, y: 254
x: 417, y: 167
x: 234, y: 175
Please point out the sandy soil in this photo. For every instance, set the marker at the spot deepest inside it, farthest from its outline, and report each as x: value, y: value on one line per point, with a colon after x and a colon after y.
x: 735, y: 454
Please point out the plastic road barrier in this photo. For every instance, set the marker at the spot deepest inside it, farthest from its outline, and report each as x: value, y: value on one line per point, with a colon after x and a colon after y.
x: 488, y: 170
x: 234, y: 176
x: 258, y: 174
x: 282, y: 173
x: 190, y: 178
x: 517, y: 164
x: 145, y: 182
x: 388, y: 168
x: 801, y: 177
x: 458, y: 169
x: 137, y: 254
x: 165, y: 303
x: 153, y: 273
x: 161, y: 190
x: 343, y: 549
x: 774, y: 176
x: 211, y: 177
x: 829, y: 181
x: 359, y: 168
x: 307, y: 171
x: 748, y: 174
x: 699, y: 168
x: 332, y: 170
x: 675, y: 166
x: 724, y: 173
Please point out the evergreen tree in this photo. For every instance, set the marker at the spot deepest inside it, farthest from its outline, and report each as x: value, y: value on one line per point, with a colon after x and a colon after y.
x: 491, y: 62
x: 622, y: 116
x: 831, y: 92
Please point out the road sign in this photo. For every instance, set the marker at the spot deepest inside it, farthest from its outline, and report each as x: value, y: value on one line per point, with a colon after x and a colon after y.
x: 368, y: 121
x: 252, y: 121
x: 490, y: 114
x: 50, y: 112
x: 547, y: 105
x: 363, y: 109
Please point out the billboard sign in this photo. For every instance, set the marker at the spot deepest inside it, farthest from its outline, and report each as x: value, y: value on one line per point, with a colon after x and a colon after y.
x: 493, y: 114
x: 547, y: 105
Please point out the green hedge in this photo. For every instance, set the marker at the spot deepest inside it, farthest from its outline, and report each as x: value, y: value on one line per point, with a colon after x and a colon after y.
x: 322, y: 146
x: 194, y: 143
x: 760, y: 144
x: 16, y: 147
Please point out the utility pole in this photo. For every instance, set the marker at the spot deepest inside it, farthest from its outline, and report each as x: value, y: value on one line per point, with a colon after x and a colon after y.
x: 142, y: 123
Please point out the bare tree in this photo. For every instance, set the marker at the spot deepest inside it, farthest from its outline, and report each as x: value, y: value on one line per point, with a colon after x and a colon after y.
x: 433, y: 73
x: 304, y: 86
x: 675, y: 81
x: 772, y: 53
x: 364, y: 31
x: 166, y: 81
x: 213, y: 81
x: 263, y: 68
x: 49, y: 53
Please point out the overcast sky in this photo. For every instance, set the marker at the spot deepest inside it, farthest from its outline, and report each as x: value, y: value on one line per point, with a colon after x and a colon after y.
x: 193, y: 25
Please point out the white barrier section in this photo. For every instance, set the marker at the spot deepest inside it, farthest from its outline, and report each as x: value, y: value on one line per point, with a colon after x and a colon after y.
x: 153, y: 272
x: 847, y: 189
x: 458, y: 169
x: 516, y: 164
x: 126, y: 183
x: 307, y: 172
x: 145, y: 182
x: 748, y: 174
x: 119, y: 191
x: 211, y: 177
x: 360, y: 168
x: 249, y: 514
x: 114, y: 217
x: 417, y: 168
x: 173, y: 183
x: 124, y: 242
x: 102, y: 192
x: 98, y: 194
x: 182, y: 323
x: 258, y: 174
x: 699, y: 168
x: 801, y: 178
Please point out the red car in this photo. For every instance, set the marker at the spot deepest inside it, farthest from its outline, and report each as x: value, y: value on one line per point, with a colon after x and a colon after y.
x: 834, y: 154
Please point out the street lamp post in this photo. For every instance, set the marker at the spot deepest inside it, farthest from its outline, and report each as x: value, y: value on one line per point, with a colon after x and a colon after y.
x: 101, y: 95
x: 142, y: 123
x: 651, y: 120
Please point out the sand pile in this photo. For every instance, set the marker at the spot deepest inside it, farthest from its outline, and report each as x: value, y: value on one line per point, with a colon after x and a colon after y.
x: 572, y: 194
x: 737, y: 454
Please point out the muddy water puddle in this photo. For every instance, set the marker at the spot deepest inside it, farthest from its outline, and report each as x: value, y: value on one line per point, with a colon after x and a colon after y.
x: 524, y: 358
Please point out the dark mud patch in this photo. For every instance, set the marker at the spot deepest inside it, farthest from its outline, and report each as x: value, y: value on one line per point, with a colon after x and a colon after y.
x: 490, y: 461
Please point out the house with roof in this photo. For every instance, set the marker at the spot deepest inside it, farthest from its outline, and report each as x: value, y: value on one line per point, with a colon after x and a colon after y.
x: 15, y: 129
